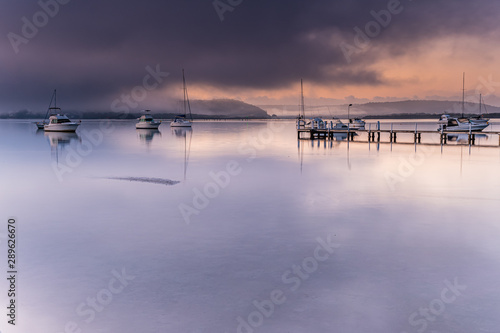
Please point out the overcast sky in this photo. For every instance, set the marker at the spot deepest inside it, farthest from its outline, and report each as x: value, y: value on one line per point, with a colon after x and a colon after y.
x: 97, y: 52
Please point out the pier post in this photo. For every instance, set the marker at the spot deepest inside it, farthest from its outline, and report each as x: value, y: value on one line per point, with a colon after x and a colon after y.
x: 470, y: 133
x: 415, y: 136
x: 378, y: 133
x: 442, y: 136
x: 391, y: 133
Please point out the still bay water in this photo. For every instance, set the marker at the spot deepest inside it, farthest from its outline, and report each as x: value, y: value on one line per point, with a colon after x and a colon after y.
x: 237, y: 226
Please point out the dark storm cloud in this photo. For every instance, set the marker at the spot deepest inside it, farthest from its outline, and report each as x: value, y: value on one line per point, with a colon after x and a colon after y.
x: 98, y: 49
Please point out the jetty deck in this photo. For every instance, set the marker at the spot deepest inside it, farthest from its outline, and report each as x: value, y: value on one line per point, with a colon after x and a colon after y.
x: 375, y: 135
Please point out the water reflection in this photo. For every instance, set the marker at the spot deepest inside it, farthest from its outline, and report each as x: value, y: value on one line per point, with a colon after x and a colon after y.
x: 60, y: 139
x: 146, y: 135
x: 464, y: 138
x: 397, y: 216
x: 185, y: 133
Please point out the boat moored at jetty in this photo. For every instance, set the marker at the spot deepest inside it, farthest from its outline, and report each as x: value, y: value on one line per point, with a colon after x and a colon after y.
x: 356, y: 123
x: 452, y: 124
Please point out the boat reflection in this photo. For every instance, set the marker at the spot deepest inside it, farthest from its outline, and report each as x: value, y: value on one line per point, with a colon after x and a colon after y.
x: 181, y: 132
x: 60, y: 139
x: 146, y: 135
x: 464, y: 138
x: 184, y: 132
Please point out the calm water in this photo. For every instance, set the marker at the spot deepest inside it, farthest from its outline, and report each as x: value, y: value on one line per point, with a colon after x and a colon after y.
x: 262, y: 233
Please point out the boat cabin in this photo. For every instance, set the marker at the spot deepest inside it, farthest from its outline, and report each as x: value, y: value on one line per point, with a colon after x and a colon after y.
x: 146, y: 118
x: 58, y: 119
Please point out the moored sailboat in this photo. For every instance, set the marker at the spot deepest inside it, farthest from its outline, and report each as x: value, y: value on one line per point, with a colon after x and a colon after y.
x: 181, y: 120
x: 448, y: 123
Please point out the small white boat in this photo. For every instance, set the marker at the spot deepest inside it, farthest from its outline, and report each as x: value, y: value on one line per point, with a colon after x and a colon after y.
x: 41, y: 124
x: 339, y: 125
x: 60, y: 123
x: 479, y: 119
x: 356, y: 124
x: 452, y: 124
x: 146, y: 121
x: 181, y: 120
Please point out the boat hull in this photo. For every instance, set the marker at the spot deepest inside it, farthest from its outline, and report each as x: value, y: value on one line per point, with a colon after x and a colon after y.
x: 180, y: 124
x: 66, y: 127
x: 356, y: 126
x: 465, y: 128
x: 146, y: 125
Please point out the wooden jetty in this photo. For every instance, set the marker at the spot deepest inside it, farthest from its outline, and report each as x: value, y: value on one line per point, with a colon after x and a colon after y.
x: 374, y: 135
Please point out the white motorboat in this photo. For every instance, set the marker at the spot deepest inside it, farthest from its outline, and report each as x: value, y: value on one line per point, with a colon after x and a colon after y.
x: 60, y: 123
x: 356, y: 124
x: 452, y: 124
x: 181, y: 120
x: 41, y: 124
x: 339, y: 125
x: 146, y: 121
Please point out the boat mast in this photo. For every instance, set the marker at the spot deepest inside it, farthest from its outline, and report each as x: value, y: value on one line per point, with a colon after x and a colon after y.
x: 480, y: 98
x: 302, y: 100
x: 49, y: 108
x: 184, y: 89
x: 463, y: 94
x: 186, y: 98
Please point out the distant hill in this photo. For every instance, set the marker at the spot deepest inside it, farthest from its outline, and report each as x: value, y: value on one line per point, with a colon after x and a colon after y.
x: 420, y: 107
x: 399, y: 109
x: 216, y: 108
x: 227, y: 108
